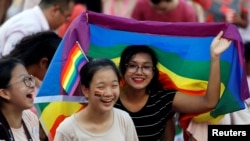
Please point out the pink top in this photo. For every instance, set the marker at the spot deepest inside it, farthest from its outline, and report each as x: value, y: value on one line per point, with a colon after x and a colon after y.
x: 121, y: 8
x: 182, y: 13
x: 32, y: 123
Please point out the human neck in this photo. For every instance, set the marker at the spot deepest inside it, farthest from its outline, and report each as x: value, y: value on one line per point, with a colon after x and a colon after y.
x: 95, y: 122
x: 133, y: 94
x: 13, y: 117
x: 95, y: 116
x: 133, y: 100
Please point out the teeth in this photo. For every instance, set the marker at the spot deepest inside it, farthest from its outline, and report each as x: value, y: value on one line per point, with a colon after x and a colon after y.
x: 106, y: 100
x: 138, y: 78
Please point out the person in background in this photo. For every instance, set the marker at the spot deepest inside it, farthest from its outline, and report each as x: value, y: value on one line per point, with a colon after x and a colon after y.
x: 120, y: 8
x: 36, y: 52
x: 77, y: 10
x: 231, y: 11
x: 164, y: 11
x: 17, y: 92
x: 99, y: 120
x: 244, y: 32
x: 15, y: 7
x: 80, y: 6
x: 148, y: 103
x: 30, y: 4
x: 4, y: 6
x: 48, y: 15
x: 198, y: 10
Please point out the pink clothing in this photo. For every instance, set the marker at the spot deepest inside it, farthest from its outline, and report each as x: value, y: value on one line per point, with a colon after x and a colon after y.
x: 32, y: 123
x: 182, y: 13
x: 121, y: 8
x: 215, y: 10
x: 23, y: 24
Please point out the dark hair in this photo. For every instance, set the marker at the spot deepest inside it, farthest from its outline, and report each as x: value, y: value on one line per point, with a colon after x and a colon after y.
x: 88, y: 70
x: 247, y: 51
x: 6, y: 67
x: 129, y: 52
x: 79, y: 1
x: 62, y: 3
x: 158, y: 1
x: 94, y: 5
x: 36, y: 46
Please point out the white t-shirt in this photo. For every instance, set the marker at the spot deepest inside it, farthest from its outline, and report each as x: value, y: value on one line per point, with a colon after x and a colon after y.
x: 123, y: 129
x: 25, y: 23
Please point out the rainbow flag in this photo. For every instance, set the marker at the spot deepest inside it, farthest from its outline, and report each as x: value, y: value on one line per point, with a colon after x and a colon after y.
x: 70, y: 73
x: 183, y: 50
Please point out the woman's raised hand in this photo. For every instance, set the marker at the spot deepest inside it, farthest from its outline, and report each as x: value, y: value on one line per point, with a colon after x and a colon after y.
x: 219, y: 45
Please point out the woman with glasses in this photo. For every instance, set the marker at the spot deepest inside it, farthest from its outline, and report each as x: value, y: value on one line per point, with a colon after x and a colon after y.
x: 149, y: 105
x: 36, y: 52
x: 17, y: 90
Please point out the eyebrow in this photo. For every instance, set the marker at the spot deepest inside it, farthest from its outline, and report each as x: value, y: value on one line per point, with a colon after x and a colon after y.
x: 142, y: 63
x: 102, y: 83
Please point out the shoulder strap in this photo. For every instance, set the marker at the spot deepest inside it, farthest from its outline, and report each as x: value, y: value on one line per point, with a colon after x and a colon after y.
x: 26, y: 131
x: 5, y: 129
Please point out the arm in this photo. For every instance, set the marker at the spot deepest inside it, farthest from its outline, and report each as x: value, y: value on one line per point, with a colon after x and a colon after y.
x: 169, y: 134
x: 184, y: 103
x: 239, y: 19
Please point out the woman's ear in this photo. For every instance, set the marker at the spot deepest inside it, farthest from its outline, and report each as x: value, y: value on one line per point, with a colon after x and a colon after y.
x: 4, y: 94
x: 43, y: 63
x: 85, y: 91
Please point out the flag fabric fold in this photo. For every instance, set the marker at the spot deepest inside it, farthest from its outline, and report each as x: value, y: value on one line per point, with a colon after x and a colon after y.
x: 183, y: 50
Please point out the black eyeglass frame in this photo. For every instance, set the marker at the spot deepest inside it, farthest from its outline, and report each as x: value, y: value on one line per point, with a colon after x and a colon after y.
x: 28, y: 81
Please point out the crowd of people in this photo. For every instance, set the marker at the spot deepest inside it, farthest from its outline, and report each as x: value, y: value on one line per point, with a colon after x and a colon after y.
x: 30, y: 32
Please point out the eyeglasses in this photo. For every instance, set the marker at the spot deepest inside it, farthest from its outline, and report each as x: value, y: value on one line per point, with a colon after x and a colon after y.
x: 132, y: 68
x: 29, y: 81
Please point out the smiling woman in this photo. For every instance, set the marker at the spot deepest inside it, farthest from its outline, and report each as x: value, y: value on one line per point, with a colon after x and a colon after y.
x: 100, y: 85
x: 17, y: 90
